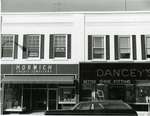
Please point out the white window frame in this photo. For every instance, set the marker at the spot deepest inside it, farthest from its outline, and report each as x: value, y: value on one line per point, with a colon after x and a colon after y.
x: 99, y: 59
x: 34, y: 58
x: 146, y: 36
x: 66, y: 42
x: 131, y: 53
x: 9, y: 58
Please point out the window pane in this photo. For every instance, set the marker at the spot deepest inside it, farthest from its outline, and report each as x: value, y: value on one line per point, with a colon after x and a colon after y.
x: 67, y: 95
x: 98, y: 42
x: 60, y: 45
x: 124, y: 42
x: 147, y: 42
x: 148, y: 52
x: 33, y: 45
x: 7, y: 45
x: 98, y: 52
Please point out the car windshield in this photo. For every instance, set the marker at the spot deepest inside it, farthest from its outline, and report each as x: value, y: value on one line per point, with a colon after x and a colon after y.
x: 83, y: 106
x: 89, y: 106
x: 102, y: 105
x: 113, y: 106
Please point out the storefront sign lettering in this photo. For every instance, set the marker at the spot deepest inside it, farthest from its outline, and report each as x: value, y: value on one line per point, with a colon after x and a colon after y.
x: 34, y: 68
x: 122, y: 73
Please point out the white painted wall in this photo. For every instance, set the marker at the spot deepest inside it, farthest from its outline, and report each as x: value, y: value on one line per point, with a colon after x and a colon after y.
x: 80, y: 25
x: 118, y: 24
x: 47, y: 24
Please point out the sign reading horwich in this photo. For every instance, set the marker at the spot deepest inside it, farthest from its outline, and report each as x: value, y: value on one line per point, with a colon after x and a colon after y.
x: 34, y: 68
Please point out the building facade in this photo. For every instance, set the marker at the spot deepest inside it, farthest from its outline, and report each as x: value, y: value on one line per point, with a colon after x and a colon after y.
x: 55, y: 60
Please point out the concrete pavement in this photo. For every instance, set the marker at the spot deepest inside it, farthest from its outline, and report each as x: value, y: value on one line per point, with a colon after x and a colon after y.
x: 42, y: 114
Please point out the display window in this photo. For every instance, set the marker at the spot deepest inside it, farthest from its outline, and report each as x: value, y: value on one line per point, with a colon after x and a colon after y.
x: 13, y: 97
x: 143, y: 94
x: 67, y: 95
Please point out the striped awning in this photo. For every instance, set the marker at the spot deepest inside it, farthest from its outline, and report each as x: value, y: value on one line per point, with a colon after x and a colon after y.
x: 46, y: 79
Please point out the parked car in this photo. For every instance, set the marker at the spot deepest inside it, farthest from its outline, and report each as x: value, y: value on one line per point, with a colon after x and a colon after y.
x: 100, y: 108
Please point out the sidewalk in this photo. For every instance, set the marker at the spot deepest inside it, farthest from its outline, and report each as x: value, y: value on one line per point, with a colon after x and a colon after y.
x: 42, y: 114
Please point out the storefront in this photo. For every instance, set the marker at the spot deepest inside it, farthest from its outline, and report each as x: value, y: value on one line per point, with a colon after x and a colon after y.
x: 129, y: 82
x: 48, y: 87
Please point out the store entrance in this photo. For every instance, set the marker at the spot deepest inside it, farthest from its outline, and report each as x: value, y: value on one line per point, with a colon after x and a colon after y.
x: 39, y: 99
x: 52, y: 99
x: 117, y: 92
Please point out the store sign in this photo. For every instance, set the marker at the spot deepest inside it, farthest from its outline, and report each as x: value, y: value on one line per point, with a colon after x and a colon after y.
x: 34, y: 68
x: 125, y: 73
x: 114, y: 71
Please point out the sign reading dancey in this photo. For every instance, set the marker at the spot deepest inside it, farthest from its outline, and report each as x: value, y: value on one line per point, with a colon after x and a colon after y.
x: 114, y: 71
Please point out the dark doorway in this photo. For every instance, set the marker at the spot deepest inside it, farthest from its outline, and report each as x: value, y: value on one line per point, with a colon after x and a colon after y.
x: 52, y: 102
x: 27, y: 99
x: 117, y: 92
x: 39, y: 97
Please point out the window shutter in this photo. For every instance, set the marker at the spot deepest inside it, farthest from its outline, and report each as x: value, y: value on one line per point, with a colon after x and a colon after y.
x: 116, y: 47
x: 69, y: 46
x: 24, y: 46
x: 51, y: 51
x: 89, y: 47
x: 143, y: 47
x: 134, y: 46
x: 107, y: 47
x: 16, y: 47
x: 42, y: 47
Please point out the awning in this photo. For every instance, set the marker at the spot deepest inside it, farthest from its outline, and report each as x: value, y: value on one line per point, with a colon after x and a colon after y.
x: 46, y: 79
x: 143, y: 83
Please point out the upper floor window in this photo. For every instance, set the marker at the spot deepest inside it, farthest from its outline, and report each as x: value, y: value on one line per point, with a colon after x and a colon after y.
x: 9, y: 46
x: 147, y: 46
x: 98, y: 47
x: 124, y: 47
x: 33, y: 46
x: 60, y: 46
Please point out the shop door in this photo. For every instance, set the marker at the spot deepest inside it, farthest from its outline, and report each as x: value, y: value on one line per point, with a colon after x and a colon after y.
x: 39, y: 97
x: 52, y: 99
x: 27, y: 99
x: 117, y: 92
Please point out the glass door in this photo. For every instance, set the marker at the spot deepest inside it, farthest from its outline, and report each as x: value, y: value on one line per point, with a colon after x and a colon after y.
x: 52, y: 99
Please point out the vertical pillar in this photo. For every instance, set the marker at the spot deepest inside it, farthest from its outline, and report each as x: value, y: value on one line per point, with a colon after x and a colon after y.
x: 2, y: 98
x: 47, y: 106
x: 22, y: 97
